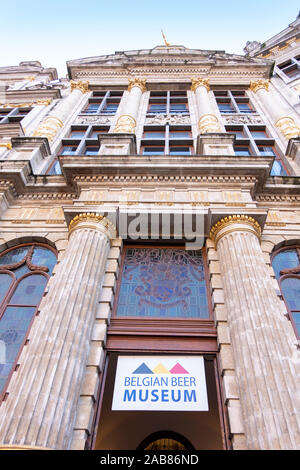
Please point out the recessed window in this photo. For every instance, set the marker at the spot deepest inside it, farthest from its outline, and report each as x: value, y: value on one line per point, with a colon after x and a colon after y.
x: 24, y: 273
x: 233, y: 101
x: 286, y: 265
x: 168, y: 103
x: 180, y: 150
x: 163, y: 282
x: 103, y: 103
x: 154, y: 150
x: 242, y: 151
x: 91, y: 150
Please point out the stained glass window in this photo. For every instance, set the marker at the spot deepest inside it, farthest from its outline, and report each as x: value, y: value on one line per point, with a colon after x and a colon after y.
x: 286, y: 265
x: 163, y: 282
x: 24, y: 273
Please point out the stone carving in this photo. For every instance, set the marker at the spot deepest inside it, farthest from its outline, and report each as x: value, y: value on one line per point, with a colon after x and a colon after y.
x: 125, y: 124
x: 196, y: 82
x: 168, y: 118
x: 242, y: 119
x: 208, y: 123
x: 140, y: 82
x: 259, y: 84
x: 288, y: 127
x: 79, y: 85
x: 81, y: 119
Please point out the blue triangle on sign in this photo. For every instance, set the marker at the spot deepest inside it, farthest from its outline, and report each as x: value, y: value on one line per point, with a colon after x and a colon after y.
x: 143, y: 369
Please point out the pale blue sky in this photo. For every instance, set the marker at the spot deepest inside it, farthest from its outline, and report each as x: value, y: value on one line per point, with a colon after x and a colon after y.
x: 55, y: 31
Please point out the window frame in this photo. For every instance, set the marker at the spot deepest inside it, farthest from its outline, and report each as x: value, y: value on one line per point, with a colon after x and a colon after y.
x: 162, y: 319
x: 8, y: 296
x: 286, y: 276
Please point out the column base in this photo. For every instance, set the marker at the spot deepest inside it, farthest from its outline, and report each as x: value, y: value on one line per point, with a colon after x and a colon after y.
x: 22, y: 447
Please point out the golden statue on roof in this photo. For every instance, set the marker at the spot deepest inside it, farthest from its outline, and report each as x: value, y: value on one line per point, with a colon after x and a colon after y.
x: 164, y: 38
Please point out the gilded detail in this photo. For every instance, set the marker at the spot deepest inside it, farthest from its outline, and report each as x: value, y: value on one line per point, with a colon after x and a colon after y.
x: 234, y: 219
x: 288, y: 127
x: 91, y: 218
x: 79, y: 85
x: 209, y: 123
x: 49, y: 128
x: 198, y: 81
x: 139, y: 82
x: 125, y: 124
x: 259, y: 84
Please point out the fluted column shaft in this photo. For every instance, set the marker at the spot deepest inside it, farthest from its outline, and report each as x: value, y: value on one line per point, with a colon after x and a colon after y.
x: 43, y: 396
x: 261, y: 337
x: 208, y: 121
x: 51, y: 125
x: 279, y: 114
x: 126, y: 123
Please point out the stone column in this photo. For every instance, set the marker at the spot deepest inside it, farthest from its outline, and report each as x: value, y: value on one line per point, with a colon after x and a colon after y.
x: 126, y: 123
x: 51, y: 125
x: 41, y: 407
x: 208, y: 121
x: 261, y: 337
x: 278, y: 113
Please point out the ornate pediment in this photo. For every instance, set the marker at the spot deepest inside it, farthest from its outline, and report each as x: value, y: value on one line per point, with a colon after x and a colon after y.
x: 177, y: 57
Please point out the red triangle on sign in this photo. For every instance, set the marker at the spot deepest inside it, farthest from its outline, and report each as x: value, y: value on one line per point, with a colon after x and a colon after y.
x: 178, y: 369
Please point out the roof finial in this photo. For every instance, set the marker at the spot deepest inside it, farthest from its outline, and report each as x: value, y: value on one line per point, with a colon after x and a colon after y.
x: 165, y: 41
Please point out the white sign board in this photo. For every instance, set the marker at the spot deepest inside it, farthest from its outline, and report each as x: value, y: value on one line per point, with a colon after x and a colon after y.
x: 160, y: 383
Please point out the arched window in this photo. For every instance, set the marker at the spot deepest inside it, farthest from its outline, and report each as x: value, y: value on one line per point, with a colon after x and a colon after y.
x: 24, y: 273
x: 286, y: 265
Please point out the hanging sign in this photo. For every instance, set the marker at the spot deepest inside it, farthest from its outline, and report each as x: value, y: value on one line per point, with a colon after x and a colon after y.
x: 160, y: 383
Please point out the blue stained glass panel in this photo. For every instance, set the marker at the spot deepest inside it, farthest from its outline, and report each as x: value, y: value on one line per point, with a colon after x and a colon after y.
x: 13, y: 327
x: 30, y: 290
x: 14, y: 256
x: 290, y: 287
x: 283, y: 260
x: 5, y: 282
x: 44, y: 257
x: 162, y: 282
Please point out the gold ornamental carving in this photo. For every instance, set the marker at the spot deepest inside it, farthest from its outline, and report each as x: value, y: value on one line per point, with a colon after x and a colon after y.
x: 40, y: 102
x: 7, y: 145
x: 288, y: 127
x: 208, y: 123
x: 49, y: 128
x: 139, y: 82
x: 89, y: 219
x: 259, y: 84
x: 198, y: 81
x: 125, y: 124
x: 228, y: 222
x: 79, y: 85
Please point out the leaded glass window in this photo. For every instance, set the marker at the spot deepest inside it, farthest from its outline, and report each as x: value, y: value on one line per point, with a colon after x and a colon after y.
x: 163, y: 282
x: 24, y: 273
x: 286, y: 266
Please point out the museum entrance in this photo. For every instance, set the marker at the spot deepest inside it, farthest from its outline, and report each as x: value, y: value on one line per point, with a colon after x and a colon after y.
x: 159, y: 410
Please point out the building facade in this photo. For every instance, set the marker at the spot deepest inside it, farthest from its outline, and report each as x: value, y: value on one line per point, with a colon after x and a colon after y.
x: 149, y: 250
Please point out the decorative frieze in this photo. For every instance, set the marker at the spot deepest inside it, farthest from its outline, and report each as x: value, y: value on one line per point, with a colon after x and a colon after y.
x: 242, y: 119
x: 163, y: 119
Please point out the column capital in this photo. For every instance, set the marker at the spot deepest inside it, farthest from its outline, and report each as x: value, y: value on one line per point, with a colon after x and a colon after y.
x: 198, y: 81
x: 79, y: 85
x: 259, y: 84
x: 234, y: 223
x: 139, y: 82
x: 94, y: 221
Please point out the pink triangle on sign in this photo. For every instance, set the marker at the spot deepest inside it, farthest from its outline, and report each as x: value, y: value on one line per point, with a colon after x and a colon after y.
x: 178, y: 369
